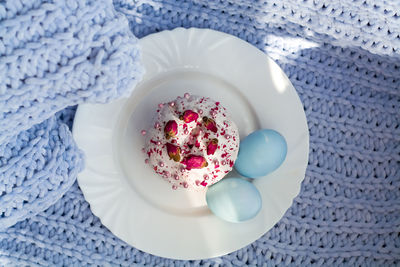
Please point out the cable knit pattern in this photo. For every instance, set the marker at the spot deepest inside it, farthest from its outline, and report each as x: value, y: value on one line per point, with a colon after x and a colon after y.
x: 54, y: 54
x: 36, y: 168
x: 343, y: 59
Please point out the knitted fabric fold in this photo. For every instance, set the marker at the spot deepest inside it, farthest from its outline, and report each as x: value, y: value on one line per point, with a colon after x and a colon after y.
x: 36, y: 168
x: 343, y: 60
x: 55, y: 54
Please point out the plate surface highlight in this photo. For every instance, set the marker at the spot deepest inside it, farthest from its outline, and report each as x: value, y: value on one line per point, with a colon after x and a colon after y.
x: 135, y: 203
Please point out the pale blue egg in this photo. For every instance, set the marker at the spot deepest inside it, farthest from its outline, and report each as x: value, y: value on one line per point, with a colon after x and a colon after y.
x: 260, y: 153
x: 234, y: 200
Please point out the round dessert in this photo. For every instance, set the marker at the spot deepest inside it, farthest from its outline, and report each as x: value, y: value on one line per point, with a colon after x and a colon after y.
x: 193, y: 142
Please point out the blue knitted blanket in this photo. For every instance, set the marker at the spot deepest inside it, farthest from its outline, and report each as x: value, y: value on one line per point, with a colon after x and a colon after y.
x: 343, y: 58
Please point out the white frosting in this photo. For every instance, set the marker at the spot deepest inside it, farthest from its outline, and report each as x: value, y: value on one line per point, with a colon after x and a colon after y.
x: 219, y: 164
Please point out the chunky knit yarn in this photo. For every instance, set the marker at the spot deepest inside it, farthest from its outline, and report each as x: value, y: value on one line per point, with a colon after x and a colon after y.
x: 54, y: 54
x: 344, y: 61
x: 37, y: 167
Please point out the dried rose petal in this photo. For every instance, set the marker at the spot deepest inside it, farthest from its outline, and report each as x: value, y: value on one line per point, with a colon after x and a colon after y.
x: 204, y: 183
x: 194, y: 162
x: 212, y: 146
x: 210, y: 124
x: 171, y: 129
x: 174, y: 152
x: 189, y: 116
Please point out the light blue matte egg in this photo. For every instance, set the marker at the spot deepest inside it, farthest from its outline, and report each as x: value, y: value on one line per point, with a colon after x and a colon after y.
x: 260, y: 153
x: 234, y: 200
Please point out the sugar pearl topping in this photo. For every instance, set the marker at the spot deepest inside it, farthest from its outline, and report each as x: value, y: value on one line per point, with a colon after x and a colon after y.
x: 190, y: 137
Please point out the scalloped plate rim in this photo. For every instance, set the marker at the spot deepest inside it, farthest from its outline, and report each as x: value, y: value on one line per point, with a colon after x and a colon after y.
x: 126, y: 234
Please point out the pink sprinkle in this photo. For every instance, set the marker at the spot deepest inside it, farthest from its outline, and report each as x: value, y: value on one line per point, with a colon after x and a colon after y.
x: 158, y: 143
x: 143, y: 132
x: 157, y: 125
x: 166, y: 174
x: 186, y: 131
x: 161, y: 105
x: 176, y: 176
x: 197, y: 182
x: 200, y: 111
x: 213, y: 113
x: 146, y: 161
x: 205, y: 177
x: 223, y: 162
x: 161, y: 164
x: 227, y: 136
x: 185, y: 185
x: 171, y: 104
x: 186, y: 95
x: 174, y: 187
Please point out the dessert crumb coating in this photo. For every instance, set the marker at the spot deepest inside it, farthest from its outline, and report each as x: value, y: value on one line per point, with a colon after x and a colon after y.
x: 193, y: 142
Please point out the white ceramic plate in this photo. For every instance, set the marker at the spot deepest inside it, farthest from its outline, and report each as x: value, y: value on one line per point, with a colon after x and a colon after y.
x: 136, y: 204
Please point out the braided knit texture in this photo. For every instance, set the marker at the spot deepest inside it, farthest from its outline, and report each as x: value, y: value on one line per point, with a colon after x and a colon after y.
x: 344, y: 61
x: 54, y: 54
x: 37, y: 167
